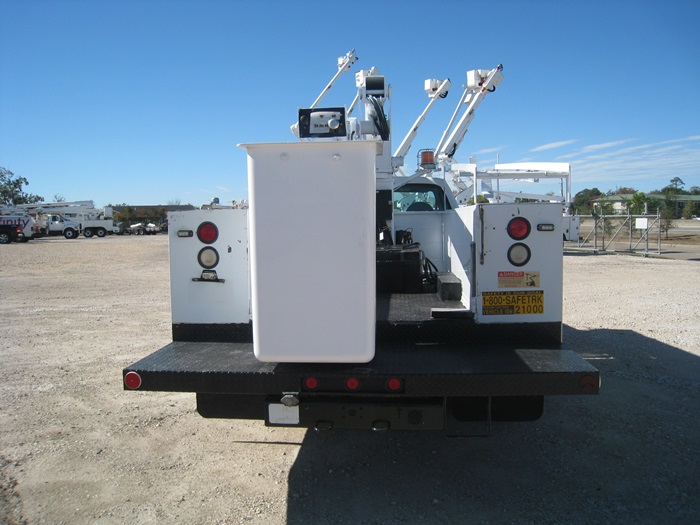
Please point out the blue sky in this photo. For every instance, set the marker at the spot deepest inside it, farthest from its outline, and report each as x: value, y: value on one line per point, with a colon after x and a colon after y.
x: 144, y: 102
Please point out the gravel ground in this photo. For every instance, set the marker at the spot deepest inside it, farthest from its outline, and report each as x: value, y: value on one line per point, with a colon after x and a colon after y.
x: 76, y: 449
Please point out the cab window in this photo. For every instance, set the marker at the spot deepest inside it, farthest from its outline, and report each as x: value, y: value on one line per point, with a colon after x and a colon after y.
x: 420, y: 197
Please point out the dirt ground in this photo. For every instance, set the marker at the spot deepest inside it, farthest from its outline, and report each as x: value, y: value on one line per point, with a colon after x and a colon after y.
x: 77, y: 449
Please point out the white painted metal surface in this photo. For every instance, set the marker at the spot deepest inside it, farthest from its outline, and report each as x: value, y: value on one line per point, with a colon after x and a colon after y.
x: 312, y: 249
x: 199, y: 302
x: 542, y: 273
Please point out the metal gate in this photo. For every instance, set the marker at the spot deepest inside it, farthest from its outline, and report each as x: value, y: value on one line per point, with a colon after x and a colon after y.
x: 623, y: 233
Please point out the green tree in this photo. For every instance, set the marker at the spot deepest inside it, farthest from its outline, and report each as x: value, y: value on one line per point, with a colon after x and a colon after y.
x: 583, y: 200
x: 480, y: 199
x: 11, y: 189
x: 688, y: 209
x: 676, y: 182
x: 625, y: 190
x: 639, y: 199
x: 667, y: 215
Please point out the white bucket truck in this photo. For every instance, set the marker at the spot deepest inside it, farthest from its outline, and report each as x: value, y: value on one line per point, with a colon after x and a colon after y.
x: 352, y: 296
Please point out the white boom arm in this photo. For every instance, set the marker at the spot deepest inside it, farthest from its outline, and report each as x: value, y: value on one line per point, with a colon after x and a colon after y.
x: 439, y: 92
x: 344, y: 64
x: 477, y: 88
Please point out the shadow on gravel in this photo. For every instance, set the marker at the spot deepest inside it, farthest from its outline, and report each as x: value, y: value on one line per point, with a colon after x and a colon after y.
x: 629, y: 455
x: 10, y: 500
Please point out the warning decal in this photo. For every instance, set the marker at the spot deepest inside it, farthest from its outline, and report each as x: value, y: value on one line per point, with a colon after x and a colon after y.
x: 518, y: 279
x: 512, y: 303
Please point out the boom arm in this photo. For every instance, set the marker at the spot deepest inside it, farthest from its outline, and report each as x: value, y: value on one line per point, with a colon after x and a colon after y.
x: 478, y: 89
x: 344, y: 64
x: 440, y: 92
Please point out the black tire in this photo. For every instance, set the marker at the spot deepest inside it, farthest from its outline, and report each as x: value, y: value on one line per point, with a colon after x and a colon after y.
x: 70, y: 233
x: 5, y: 237
x: 101, y: 232
x: 87, y: 232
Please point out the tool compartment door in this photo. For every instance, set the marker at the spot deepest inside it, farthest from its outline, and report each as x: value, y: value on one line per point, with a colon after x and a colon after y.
x: 519, y: 271
x: 198, y: 301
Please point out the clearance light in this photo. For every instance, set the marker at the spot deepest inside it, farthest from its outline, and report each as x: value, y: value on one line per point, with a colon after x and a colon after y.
x: 545, y: 227
x: 394, y: 384
x: 185, y: 233
x: 352, y: 383
x: 518, y: 228
x: 208, y: 257
x: 311, y: 383
x: 519, y: 254
x: 132, y: 380
x: 207, y: 232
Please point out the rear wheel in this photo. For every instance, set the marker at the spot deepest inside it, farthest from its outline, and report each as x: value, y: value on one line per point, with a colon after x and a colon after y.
x: 70, y: 233
x: 88, y: 233
x: 101, y: 232
x: 5, y: 237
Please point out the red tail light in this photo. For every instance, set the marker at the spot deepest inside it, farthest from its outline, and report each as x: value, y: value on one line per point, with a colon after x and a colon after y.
x: 311, y: 383
x: 352, y: 383
x: 394, y: 384
x: 518, y: 228
x: 207, y: 232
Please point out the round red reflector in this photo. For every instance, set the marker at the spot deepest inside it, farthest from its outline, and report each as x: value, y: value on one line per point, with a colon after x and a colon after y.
x: 518, y: 228
x: 311, y: 383
x: 352, y: 383
x: 588, y: 384
x: 394, y: 384
x: 132, y: 380
x: 207, y: 232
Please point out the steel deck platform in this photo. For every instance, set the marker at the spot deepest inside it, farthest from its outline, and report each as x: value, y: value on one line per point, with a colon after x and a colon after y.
x: 426, y: 370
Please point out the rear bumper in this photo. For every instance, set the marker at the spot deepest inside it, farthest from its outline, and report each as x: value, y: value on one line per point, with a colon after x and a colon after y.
x: 425, y: 371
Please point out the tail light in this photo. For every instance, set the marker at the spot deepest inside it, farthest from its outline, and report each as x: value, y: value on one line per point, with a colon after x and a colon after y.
x: 518, y: 228
x: 394, y: 384
x: 352, y: 383
x: 311, y: 383
x: 207, y: 232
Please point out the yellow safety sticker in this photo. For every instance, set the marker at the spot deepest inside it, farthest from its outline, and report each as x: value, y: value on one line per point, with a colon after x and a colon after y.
x: 512, y: 303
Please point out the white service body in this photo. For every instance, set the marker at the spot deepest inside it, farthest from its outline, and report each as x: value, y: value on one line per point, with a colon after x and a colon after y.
x: 519, y: 294
x: 312, y: 250
x: 201, y: 301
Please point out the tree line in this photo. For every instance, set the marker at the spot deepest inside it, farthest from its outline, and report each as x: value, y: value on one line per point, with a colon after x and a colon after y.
x: 665, y: 200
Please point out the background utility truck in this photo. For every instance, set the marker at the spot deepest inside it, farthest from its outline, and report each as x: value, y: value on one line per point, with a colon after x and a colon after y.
x: 10, y: 232
x: 15, y: 225
x: 66, y: 218
x: 375, y: 300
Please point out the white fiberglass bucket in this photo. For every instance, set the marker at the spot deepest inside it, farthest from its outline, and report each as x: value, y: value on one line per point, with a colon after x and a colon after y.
x: 312, y: 250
